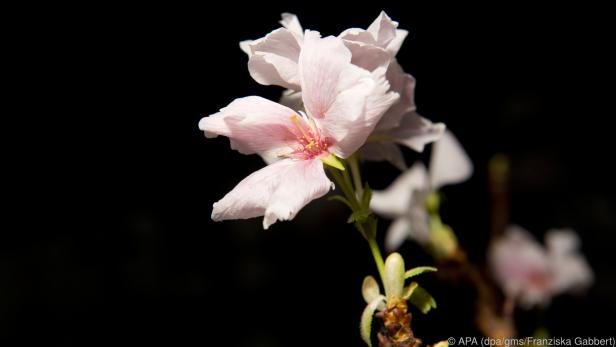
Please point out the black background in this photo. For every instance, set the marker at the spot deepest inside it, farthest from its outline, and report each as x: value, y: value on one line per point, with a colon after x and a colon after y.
x: 113, y: 241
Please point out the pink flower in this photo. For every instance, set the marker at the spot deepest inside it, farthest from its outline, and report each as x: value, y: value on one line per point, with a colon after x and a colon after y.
x: 401, y: 124
x: 531, y: 274
x: 273, y: 61
x: 343, y: 103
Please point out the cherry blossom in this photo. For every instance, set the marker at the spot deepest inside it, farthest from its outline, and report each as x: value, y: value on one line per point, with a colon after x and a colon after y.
x: 343, y: 103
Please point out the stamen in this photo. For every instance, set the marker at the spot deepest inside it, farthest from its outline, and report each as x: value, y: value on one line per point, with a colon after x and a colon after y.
x: 300, y: 125
x: 308, y: 135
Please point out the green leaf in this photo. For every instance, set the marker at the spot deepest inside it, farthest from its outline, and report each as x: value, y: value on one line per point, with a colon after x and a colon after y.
x: 365, y: 327
x: 370, y: 289
x: 418, y: 270
x: 341, y: 199
x: 421, y: 299
x: 332, y: 161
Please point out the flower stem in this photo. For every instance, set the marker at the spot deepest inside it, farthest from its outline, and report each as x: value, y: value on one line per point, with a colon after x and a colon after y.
x: 378, y: 258
x: 346, y: 187
x: 354, y: 164
x: 368, y: 226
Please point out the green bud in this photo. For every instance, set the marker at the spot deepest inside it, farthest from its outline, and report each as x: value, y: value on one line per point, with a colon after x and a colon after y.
x: 370, y: 289
x: 394, y: 276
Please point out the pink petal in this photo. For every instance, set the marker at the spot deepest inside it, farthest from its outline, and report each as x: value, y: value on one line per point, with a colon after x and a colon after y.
x: 359, y: 36
x: 254, y: 125
x: 273, y: 59
x: 350, y: 122
x: 277, y: 192
x: 394, y: 45
x: 368, y: 56
x: 376, y: 46
x: 570, y: 269
x: 520, y: 265
x: 382, y: 33
x: 449, y: 163
x: 415, y: 132
x: 383, y: 29
x: 403, y: 84
x: 321, y: 64
x: 290, y: 21
x: 562, y: 241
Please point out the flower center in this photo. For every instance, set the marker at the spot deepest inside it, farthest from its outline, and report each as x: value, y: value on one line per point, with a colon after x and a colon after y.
x: 310, y: 143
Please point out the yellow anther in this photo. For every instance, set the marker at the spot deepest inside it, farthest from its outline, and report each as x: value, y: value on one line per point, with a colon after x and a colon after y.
x: 300, y: 125
x: 295, y: 120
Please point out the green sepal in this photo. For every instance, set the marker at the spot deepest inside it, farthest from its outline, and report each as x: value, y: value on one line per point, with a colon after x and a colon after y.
x: 365, y: 327
x: 332, y: 161
x: 358, y: 216
x: 408, y: 290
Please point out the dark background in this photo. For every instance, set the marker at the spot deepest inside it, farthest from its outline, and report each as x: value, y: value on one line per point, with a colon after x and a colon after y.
x: 113, y: 241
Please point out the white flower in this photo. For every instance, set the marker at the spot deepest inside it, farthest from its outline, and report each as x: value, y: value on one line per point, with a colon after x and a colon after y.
x: 406, y: 198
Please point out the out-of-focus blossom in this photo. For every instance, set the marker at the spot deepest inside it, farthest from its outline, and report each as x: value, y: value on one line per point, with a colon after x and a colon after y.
x: 343, y: 103
x: 531, y: 274
x: 407, y: 200
x: 273, y: 61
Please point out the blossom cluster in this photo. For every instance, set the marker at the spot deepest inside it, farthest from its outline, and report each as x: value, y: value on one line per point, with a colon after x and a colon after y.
x: 345, y: 94
x: 346, y: 97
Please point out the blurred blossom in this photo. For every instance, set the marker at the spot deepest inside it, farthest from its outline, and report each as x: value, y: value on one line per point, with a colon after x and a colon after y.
x: 532, y: 274
x: 410, y: 199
